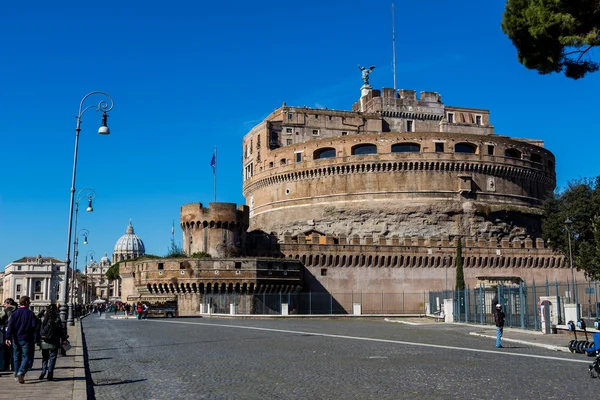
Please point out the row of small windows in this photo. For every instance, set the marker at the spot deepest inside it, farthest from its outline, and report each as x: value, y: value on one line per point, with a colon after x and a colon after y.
x: 368, y: 148
x: 464, y: 148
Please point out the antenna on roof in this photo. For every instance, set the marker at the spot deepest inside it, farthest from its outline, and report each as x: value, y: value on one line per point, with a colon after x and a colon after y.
x: 393, y: 49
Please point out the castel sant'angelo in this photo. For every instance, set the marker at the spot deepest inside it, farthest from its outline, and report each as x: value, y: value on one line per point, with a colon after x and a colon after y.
x: 371, y: 200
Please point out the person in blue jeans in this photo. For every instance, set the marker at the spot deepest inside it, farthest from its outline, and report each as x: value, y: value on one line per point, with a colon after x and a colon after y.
x: 20, y: 333
x: 499, y: 318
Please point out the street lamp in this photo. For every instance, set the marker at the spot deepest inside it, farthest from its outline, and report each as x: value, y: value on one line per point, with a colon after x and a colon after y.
x: 89, y: 195
x: 85, y: 233
x: 90, y: 253
x: 568, y: 223
x: 104, y: 106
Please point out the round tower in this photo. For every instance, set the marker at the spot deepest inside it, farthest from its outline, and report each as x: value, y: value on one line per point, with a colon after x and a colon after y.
x: 218, y: 230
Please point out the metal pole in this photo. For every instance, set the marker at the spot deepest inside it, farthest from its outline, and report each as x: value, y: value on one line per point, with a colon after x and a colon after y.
x: 104, y: 107
x: 521, y: 304
x: 534, y: 305
x: 571, y: 260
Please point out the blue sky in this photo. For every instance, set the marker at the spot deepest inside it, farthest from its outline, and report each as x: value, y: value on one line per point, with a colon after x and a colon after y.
x: 187, y: 76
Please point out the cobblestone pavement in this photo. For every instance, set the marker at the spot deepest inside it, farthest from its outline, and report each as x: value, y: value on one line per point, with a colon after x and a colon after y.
x: 209, y: 358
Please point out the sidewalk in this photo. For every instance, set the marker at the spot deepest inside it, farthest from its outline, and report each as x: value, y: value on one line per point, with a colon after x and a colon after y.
x: 69, y: 376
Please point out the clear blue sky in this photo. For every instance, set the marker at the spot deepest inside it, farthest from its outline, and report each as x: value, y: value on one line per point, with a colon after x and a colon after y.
x: 187, y: 76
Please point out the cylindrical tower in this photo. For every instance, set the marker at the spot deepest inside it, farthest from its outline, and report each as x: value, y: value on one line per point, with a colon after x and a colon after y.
x: 218, y: 230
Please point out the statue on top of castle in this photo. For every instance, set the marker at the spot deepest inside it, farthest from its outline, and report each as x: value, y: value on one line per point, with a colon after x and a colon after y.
x: 365, y: 73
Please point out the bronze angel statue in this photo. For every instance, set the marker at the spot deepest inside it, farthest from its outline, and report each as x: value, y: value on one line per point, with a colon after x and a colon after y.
x: 365, y: 73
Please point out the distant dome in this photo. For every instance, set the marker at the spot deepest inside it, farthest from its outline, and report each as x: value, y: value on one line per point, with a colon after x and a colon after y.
x: 105, y: 260
x: 128, y: 246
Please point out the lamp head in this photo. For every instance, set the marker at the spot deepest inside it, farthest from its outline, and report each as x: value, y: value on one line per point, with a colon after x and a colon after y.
x: 89, y: 208
x: 568, y: 222
x: 85, y: 239
x: 104, y: 130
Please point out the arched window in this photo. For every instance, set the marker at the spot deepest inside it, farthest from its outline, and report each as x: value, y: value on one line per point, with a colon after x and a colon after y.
x: 535, y: 157
x: 361, y: 149
x: 38, y: 286
x: 465, y: 148
x: 327, y: 152
x: 406, y: 148
x: 512, y: 153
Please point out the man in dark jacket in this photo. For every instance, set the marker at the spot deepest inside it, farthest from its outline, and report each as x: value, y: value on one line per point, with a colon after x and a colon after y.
x: 20, y: 334
x: 9, y: 307
x: 499, y: 318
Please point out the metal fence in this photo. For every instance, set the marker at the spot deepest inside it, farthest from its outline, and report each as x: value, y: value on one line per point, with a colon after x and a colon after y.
x: 521, y: 303
x: 316, y: 303
x: 473, y: 305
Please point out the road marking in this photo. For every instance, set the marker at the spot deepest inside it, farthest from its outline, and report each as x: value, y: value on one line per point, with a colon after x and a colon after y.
x: 367, y: 339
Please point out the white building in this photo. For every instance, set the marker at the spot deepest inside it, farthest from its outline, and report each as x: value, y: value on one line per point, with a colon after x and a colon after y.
x: 40, y: 278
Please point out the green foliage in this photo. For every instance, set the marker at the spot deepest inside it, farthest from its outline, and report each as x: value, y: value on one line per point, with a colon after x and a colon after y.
x: 554, y: 35
x: 113, y: 272
x: 580, y: 203
x: 174, y: 251
x: 200, y: 254
x: 460, y: 277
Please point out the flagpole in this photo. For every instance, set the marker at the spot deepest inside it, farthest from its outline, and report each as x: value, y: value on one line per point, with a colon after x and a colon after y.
x: 215, y: 175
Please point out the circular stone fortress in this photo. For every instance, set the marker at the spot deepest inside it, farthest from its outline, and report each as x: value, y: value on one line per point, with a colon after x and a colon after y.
x: 372, y: 200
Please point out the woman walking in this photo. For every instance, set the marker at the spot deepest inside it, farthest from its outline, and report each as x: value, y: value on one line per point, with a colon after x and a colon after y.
x: 52, y: 337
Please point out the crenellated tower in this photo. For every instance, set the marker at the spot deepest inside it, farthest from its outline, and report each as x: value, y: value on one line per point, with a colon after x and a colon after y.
x: 218, y: 230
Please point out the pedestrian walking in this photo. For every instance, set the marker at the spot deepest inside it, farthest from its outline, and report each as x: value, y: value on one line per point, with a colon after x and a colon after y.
x: 127, y: 310
x: 20, y: 335
x: 9, y: 307
x: 52, y: 336
x: 145, y: 308
x: 499, y: 318
x: 139, y: 310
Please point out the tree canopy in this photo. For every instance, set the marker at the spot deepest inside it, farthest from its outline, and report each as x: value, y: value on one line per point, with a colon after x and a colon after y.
x: 580, y: 204
x: 554, y: 35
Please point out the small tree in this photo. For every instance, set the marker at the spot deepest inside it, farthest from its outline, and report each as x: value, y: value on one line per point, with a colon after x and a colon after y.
x: 174, y: 250
x: 460, y: 277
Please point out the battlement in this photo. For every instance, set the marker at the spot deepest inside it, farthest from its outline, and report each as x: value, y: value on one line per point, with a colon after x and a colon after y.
x: 215, y: 214
x: 411, y: 241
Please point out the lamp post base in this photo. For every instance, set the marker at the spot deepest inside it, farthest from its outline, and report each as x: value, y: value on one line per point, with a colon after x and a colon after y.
x: 63, y: 313
x: 70, y: 319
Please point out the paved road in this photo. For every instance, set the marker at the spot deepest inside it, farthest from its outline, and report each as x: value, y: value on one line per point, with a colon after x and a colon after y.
x: 204, y: 358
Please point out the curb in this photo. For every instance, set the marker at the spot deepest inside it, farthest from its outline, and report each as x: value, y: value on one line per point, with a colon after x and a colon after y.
x: 79, y: 378
x: 545, y: 346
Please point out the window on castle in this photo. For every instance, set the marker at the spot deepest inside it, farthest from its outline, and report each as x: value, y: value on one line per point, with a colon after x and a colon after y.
x: 289, y: 142
x: 410, y: 126
x: 450, y: 118
x: 161, y: 266
x: 323, y: 271
x: 18, y: 288
x: 536, y: 158
x: 315, y: 132
x: 327, y: 152
x: 406, y: 148
x: 465, y: 148
x: 439, y: 147
x: 290, y: 116
x: 344, y: 133
x: 298, y: 157
x: 512, y: 153
x: 490, y: 150
x: 282, y: 161
x: 288, y: 130
x: 238, y: 265
x: 362, y: 149
x: 478, y: 119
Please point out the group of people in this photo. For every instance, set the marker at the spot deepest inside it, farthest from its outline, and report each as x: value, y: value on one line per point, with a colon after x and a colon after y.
x: 23, y: 329
x: 139, y: 310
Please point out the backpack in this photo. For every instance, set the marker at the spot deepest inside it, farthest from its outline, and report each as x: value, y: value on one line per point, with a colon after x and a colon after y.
x: 48, y: 330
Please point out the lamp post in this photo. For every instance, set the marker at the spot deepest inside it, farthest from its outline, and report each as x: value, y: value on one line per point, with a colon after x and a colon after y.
x: 568, y: 223
x: 104, y: 106
x: 90, y: 253
x: 89, y: 195
x: 85, y: 233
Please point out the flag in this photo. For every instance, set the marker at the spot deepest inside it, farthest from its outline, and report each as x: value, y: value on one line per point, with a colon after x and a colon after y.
x: 213, y: 162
